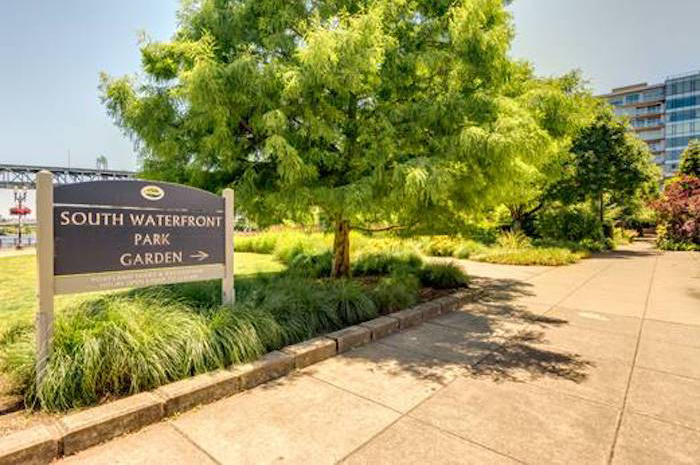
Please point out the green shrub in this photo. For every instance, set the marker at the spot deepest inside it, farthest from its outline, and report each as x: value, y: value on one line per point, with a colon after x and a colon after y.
x: 350, y: 302
x: 290, y: 245
x: 440, y: 246
x: 304, y: 308
x: 513, y: 240
x: 396, y: 292
x: 443, y: 276
x: 257, y: 243
x: 385, y: 263
x: 530, y: 256
x: 574, y: 223
x: 118, y: 345
x: 468, y: 248
x: 312, y: 266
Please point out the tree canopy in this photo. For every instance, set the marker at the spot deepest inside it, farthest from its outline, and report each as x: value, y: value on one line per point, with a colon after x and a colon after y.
x: 606, y: 162
x: 690, y: 161
x: 377, y: 113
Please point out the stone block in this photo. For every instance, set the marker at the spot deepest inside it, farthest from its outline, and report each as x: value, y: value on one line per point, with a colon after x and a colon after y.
x: 348, y: 338
x: 271, y: 366
x: 381, y: 327
x: 36, y: 445
x: 431, y: 310
x: 448, y: 303
x: 409, y: 317
x: 98, y: 424
x: 312, y: 351
x: 188, y: 393
x: 465, y: 295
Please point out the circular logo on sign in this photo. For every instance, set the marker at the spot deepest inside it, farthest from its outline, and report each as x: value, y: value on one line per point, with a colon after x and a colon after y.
x: 152, y: 192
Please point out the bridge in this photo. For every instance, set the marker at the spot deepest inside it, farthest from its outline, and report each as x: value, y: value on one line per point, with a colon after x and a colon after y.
x: 25, y: 176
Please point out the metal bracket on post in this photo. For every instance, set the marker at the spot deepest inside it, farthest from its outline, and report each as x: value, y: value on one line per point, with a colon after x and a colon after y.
x: 228, y: 292
x: 45, y: 280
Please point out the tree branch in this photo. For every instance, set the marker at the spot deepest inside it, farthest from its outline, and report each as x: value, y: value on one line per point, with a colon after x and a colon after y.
x: 394, y: 227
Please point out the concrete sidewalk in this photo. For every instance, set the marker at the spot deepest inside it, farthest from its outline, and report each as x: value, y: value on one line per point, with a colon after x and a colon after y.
x: 597, y: 362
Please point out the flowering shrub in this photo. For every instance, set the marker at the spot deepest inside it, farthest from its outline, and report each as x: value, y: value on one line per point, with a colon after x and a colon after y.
x: 679, y: 214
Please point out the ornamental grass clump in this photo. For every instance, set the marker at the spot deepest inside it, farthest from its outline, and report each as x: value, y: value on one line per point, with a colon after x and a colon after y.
x: 292, y: 244
x: 550, y: 256
x: 256, y: 243
x: 443, y: 276
x: 393, y: 293
x: 386, y: 263
x: 119, y: 345
x: 351, y: 303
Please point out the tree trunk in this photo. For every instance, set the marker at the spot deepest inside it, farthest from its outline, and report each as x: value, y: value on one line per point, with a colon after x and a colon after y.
x: 341, y: 250
x: 600, y: 200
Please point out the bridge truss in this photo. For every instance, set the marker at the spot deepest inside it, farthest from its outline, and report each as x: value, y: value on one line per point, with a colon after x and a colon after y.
x: 25, y: 176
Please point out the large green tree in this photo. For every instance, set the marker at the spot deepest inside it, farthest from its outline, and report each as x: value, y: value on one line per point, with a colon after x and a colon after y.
x: 377, y: 113
x: 562, y: 107
x: 606, y: 164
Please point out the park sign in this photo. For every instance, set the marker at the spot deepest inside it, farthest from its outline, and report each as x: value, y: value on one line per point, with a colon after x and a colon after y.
x: 102, y: 235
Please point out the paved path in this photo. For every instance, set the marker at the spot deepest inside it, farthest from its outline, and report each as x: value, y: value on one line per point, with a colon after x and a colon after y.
x: 597, y: 362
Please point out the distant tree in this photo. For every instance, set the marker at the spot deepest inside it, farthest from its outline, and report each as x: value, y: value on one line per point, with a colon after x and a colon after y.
x: 606, y: 162
x: 380, y: 114
x: 101, y: 162
x: 690, y: 160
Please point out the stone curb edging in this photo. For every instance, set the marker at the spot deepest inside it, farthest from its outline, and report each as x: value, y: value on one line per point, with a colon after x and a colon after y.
x: 81, y: 430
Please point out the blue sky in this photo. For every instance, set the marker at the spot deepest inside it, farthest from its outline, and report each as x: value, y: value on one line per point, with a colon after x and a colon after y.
x: 52, y: 52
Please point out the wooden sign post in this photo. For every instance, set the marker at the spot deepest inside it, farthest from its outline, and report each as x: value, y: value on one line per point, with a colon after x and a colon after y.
x: 104, y: 235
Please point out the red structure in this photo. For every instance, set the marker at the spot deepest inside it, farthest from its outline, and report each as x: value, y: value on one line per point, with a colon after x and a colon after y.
x: 19, y: 211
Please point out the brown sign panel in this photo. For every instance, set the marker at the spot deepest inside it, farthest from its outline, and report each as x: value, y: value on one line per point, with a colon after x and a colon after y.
x: 126, y: 226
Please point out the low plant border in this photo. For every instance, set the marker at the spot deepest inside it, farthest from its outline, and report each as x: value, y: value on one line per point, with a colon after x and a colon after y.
x: 87, y: 428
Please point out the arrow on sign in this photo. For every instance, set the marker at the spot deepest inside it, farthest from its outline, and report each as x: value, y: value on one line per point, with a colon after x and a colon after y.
x: 200, y: 255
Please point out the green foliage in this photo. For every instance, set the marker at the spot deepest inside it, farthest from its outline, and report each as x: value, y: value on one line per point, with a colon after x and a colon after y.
x: 690, y: 160
x: 366, y: 112
x: 440, y: 246
x: 530, y: 256
x: 443, y: 276
x: 513, y: 240
x: 395, y: 292
x: 290, y: 245
x: 256, y: 243
x: 468, y: 248
x: 312, y: 266
x: 606, y: 163
x: 569, y: 223
x: 116, y: 345
x: 350, y: 302
x: 380, y: 264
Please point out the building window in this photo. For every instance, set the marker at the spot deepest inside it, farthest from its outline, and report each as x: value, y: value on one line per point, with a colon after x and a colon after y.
x: 682, y: 102
x: 683, y: 115
x: 632, y: 98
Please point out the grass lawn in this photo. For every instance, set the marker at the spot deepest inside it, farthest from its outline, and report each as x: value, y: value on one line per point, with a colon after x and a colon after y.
x: 18, y: 284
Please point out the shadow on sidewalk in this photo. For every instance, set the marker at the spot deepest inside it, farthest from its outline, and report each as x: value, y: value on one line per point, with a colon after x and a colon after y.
x: 495, y: 338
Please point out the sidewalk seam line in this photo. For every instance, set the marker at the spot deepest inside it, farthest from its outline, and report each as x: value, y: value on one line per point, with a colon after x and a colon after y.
x: 391, y: 424
x: 580, y: 286
x: 355, y: 394
x: 403, y: 415
x: 193, y: 443
x: 656, y: 370
x: 664, y: 420
x: 611, y: 456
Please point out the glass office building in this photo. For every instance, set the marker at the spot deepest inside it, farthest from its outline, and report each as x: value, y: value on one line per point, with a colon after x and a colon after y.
x: 666, y: 116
